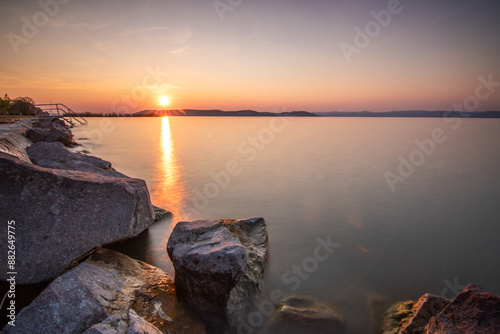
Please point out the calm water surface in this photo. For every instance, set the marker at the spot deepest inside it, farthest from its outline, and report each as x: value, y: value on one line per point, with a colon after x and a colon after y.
x: 324, y: 178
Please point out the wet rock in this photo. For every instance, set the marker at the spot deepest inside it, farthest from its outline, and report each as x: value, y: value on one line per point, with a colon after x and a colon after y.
x: 55, y: 155
x: 161, y: 213
x: 304, y: 315
x: 472, y: 311
x: 60, y: 215
x: 412, y: 317
x: 108, y: 293
x: 47, y: 131
x: 219, y: 264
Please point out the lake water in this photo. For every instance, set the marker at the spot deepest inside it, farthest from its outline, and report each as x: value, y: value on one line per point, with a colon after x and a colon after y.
x: 324, y: 180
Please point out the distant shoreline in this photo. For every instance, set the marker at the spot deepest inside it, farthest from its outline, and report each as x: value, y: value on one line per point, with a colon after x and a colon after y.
x: 252, y: 113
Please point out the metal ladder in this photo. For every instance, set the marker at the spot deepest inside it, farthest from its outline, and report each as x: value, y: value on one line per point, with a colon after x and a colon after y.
x: 59, y: 110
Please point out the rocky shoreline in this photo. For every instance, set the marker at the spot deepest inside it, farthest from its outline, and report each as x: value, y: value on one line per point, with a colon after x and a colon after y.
x: 66, y: 207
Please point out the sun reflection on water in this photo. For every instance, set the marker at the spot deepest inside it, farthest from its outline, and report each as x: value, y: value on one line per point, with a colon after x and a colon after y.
x: 168, y: 191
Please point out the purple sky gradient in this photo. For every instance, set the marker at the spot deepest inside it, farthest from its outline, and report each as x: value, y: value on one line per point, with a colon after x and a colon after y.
x: 96, y: 55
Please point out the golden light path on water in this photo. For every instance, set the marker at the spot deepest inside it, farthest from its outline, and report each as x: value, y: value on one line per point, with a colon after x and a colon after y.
x: 168, y: 191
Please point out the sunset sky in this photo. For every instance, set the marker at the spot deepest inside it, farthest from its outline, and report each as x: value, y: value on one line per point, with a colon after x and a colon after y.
x: 110, y: 55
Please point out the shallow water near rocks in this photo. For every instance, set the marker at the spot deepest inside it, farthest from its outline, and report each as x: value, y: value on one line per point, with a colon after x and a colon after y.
x: 337, y: 231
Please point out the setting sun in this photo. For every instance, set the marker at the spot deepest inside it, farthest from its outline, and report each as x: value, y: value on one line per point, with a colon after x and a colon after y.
x: 164, y: 101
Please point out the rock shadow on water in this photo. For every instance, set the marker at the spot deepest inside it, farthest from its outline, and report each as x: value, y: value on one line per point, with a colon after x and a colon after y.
x: 139, y: 247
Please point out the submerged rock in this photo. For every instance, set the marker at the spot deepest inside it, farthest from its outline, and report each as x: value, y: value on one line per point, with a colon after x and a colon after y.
x: 304, y: 315
x: 219, y: 264
x: 412, y: 317
x: 472, y: 311
x: 108, y: 293
x: 60, y: 215
x: 161, y: 213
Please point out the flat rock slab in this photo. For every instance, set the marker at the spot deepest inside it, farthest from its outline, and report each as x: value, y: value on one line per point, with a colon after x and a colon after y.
x: 55, y: 155
x: 304, y: 315
x: 61, y: 215
x: 219, y: 264
x: 108, y: 293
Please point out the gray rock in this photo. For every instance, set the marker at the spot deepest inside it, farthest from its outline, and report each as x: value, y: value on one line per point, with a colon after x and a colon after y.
x: 130, y: 323
x: 304, y: 315
x: 37, y: 134
x: 412, y: 317
x: 472, y: 311
x: 219, y: 264
x: 138, y: 325
x: 114, y: 324
x: 55, y: 155
x: 47, y: 131
x: 60, y: 215
x: 108, y: 293
x: 15, y: 144
x: 71, y: 304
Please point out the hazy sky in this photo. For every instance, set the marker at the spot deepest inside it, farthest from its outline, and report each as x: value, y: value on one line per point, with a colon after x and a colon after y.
x: 110, y: 55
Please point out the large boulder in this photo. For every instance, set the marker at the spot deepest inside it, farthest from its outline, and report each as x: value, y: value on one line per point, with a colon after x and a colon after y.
x: 412, y: 317
x: 46, y: 130
x: 303, y: 315
x: 60, y: 215
x: 472, y: 311
x: 108, y: 293
x: 219, y: 264
x: 55, y: 155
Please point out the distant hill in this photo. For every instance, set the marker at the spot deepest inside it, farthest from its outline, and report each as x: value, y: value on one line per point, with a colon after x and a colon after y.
x: 253, y: 113
x: 220, y: 113
x: 412, y: 113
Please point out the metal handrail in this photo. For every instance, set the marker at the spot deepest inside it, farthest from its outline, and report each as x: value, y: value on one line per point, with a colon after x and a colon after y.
x: 62, y: 111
